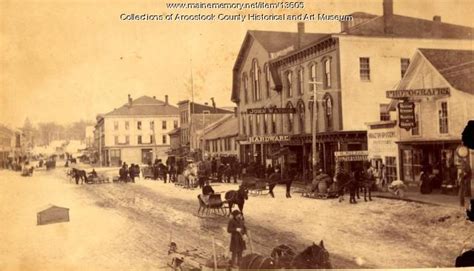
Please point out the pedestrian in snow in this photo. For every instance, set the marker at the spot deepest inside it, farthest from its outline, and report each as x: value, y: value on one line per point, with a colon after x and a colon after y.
x: 237, y: 230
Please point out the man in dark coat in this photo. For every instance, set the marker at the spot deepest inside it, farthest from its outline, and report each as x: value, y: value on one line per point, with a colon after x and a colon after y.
x: 237, y: 229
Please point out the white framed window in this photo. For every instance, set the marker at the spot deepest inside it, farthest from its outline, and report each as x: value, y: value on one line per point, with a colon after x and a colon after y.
x: 164, y: 139
x: 116, y: 125
x: 289, y: 84
x: 301, y: 81
x: 265, y: 123
x: 244, y: 127
x: 139, y: 125
x: 139, y: 139
x: 256, y: 80
x: 257, y: 124
x: 163, y: 125
x: 404, y: 63
x: 443, y: 117
x: 364, y: 68
x: 267, y: 79
x: 250, y: 125
x: 416, y: 131
x: 152, y: 125
x: 312, y: 76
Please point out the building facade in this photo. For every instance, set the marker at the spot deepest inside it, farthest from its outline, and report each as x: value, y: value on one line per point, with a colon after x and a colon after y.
x: 350, y: 71
x: 136, y: 132
x: 220, y: 140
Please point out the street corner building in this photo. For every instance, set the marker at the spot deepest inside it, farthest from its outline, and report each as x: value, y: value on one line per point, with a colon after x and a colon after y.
x: 137, y: 132
x: 278, y: 77
x: 431, y: 105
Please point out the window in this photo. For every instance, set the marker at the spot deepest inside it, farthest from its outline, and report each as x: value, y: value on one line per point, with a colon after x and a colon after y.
x: 301, y: 115
x: 139, y: 125
x: 327, y: 73
x: 127, y: 125
x: 415, y: 131
x: 274, y: 123
x: 245, y: 86
x: 152, y: 125
x: 267, y: 79
x: 328, y: 111
x: 250, y: 125
x: 163, y: 125
x: 290, y: 118
x: 390, y: 168
x: 312, y: 77
x: 384, y: 116
x: 256, y: 80
x: 301, y: 81
x: 139, y: 139
x: 404, y: 63
x: 152, y: 139
x: 116, y: 140
x: 163, y: 139
x: 265, y: 123
x: 364, y: 67
x: 244, y: 128
x: 257, y: 124
x: 116, y: 125
x: 127, y: 140
x: 289, y: 83
x: 443, y: 118
x: 175, y: 124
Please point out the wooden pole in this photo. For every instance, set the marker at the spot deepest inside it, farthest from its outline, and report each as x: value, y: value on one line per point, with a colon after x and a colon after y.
x: 214, y: 253
x: 314, y: 130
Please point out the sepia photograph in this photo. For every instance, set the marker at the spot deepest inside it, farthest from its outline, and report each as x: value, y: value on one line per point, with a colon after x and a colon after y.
x: 236, y: 135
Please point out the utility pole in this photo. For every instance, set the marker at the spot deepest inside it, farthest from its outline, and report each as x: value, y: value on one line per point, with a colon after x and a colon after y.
x: 314, y: 128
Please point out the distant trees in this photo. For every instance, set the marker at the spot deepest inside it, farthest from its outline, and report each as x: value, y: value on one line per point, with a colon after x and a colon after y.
x: 45, y: 132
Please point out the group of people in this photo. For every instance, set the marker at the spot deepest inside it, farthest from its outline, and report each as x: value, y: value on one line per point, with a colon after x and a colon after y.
x: 129, y: 173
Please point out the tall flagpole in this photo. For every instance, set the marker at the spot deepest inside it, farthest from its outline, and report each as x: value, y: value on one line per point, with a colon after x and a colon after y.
x: 191, y: 107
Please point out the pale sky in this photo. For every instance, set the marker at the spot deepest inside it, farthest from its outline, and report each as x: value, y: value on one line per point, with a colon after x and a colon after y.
x: 64, y: 60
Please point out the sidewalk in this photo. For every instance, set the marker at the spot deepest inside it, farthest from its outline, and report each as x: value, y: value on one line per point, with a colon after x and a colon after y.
x: 435, y: 198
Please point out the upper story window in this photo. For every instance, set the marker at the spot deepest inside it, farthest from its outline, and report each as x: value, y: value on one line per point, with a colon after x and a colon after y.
x: 152, y: 125
x: 364, y: 67
x: 290, y: 118
x: 443, y: 117
x: 312, y: 76
x: 164, y: 139
x: 273, y: 126
x: 127, y: 125
x: 139, y: 139
x: 415, y: 131
x: 265, y: 123
x: 139, y: 125
x: 267, y: 79
x: 175, y: 124
x: 301, y: 115
x: 257, y: 124
x: 250, y: 125
x: 327, y: 73
x: 328, y: 111
x: 301, y: 81
x: 404, y: 63
x: 256, y: 80
x: 289, y: 84
x: 116, y: 125
x: 246, y: 87
x: 163, y: 124
x: 244, y: 127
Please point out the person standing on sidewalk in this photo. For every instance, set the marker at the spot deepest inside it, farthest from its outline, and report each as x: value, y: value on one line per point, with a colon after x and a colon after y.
x: 464, y: 182
x: 237, y: 230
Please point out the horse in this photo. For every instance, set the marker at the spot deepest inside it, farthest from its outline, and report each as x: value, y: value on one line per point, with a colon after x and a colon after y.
x: 287, y: 180
x: 283, y: 256
x: 79, y: 175
x: 190, y: 174
x: 237, y: 197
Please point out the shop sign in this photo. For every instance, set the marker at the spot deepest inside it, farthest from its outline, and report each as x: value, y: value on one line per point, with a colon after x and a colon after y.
x: 264, y: 139
x: 406, y: 115
x: 275, y: 110
x: 407, y: 93
x: 347, y: 156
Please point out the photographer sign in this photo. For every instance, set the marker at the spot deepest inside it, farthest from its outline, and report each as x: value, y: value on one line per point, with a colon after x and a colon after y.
x: 406, y: 115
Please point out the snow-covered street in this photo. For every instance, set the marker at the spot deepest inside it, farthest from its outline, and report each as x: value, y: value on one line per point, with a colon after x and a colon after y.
x: 129, y: 226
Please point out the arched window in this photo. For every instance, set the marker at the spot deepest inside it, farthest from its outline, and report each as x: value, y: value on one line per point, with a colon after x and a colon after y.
x: 301, y: 81
x: 245, y: 85
x: 267, y: 79
x: 244, y: 127
x: 328, y: 110
x: 312, y: 76
x: 290, y: 118
x: 327, y: 73
x: 257, y: 124
x: 310, y: 107
x: 250, y: 125
x: 256, y: 80
x: 289, y: 83
x: 301, y: 115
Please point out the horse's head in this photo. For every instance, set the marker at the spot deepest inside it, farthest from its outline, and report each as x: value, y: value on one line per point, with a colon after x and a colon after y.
x: 243, y: 192
x: 317, y: 256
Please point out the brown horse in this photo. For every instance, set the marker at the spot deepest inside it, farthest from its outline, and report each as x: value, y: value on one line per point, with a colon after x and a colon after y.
x: 313, y: 257
x: 237, y: 197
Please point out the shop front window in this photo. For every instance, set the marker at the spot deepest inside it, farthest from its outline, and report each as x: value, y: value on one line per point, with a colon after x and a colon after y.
x: 443, y: 118
x: 301, y: 116
x: 390, y: 169
x: 412, y: 164
x: 290, y: 118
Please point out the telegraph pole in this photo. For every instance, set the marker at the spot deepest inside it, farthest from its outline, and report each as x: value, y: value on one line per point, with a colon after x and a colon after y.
x: 314, y: 128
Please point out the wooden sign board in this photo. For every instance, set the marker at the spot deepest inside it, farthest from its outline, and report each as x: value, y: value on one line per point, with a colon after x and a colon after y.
x: 406, y: 115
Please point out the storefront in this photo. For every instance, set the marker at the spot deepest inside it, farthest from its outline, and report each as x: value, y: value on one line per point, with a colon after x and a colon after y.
x: 382, y: 147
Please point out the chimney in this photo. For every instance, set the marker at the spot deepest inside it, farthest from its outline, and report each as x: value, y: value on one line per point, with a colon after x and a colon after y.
x: 300, y: 34
x: 436, y: 26
x: 166, y: 99
x: 388, y: 16
x: 213, y: 103
x: 129, y: 100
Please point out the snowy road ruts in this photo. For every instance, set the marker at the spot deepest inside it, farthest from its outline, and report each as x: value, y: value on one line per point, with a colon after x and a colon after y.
x: 157, y: 217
